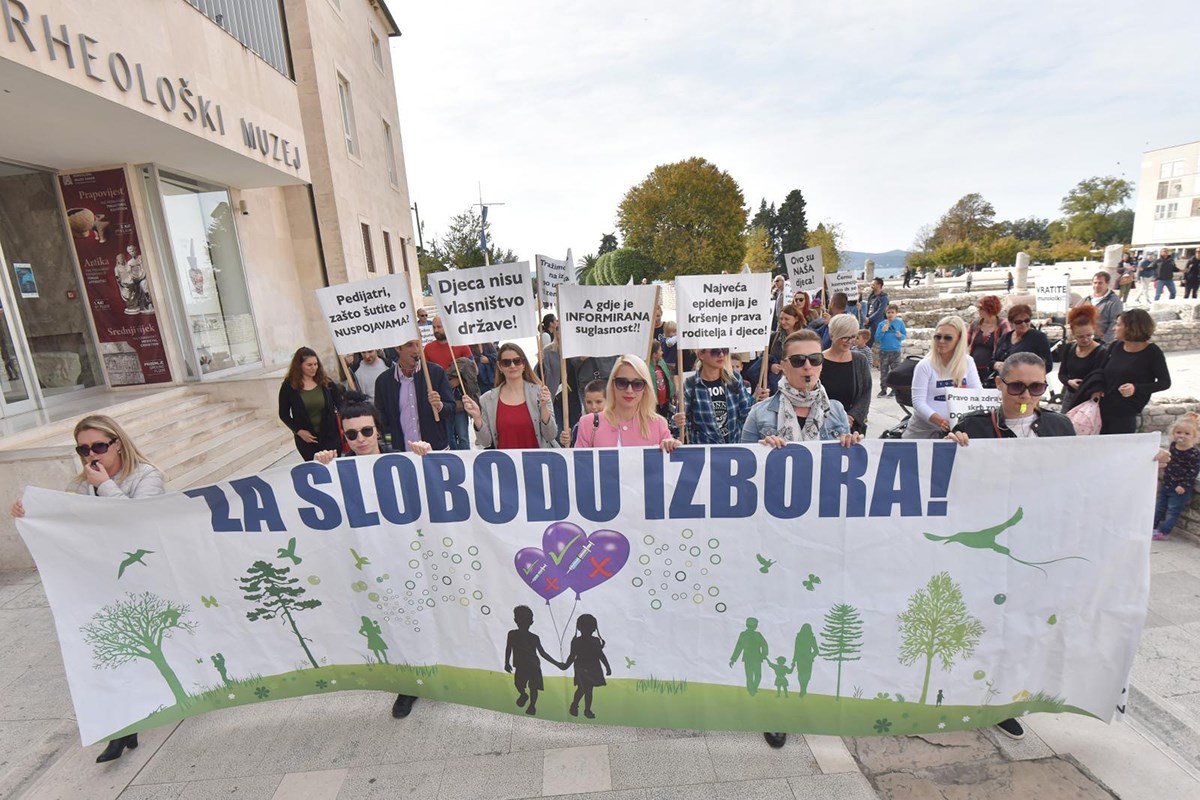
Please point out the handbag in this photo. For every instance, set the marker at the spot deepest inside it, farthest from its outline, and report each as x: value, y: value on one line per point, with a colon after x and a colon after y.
x: 1086, y: 418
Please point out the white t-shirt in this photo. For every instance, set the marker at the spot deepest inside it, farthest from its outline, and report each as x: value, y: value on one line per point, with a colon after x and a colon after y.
x: 367, y: 374
x: 1022, y: 426
x: 929, y: 396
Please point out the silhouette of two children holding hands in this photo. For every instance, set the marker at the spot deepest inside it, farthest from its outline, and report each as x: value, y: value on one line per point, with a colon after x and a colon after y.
x: 524, y: 652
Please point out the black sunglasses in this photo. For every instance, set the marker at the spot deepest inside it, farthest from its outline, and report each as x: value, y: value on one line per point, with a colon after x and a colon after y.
x: 1025, y: 321
x: 352, y: 434
x: 99, y: 448
x: 1017, y: 388
x: 511, y: 362
x: 637, y: 384
x: 717, y: 351
x: 943, y: 337
x: 797, y: 361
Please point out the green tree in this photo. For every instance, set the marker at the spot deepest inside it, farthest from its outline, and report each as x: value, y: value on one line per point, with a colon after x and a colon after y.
x: 841, y: 638
x: 758, y: 250
x: 135, y: 628
x: 792, y: 225
x: 1095, y: 211
x: 617, y: 267
x: 608, y: 243
x: 1067, y: 250
x: 1025, y: 229
x: 968, y: 220
x: 936, y: 624
x: 584, y: 274
x: 829, y: 239
x: 459, y: 246
x: 277, y: 595
x: 687, y: 217
x: 954, y: 254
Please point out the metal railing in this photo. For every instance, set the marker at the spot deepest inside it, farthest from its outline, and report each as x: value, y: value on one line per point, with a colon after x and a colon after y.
x: 257, y: 24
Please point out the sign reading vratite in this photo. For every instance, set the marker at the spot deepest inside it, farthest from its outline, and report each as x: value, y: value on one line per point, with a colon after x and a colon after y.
x: 1053, y: 294
x: 485, y: 304
x: 369, y: 315
x: 806, y: 270
x: 844, y: 282
x: 605, y: 320
x: 551, y: 273
x: 961, y: 402
x: 924, y: 595
x: 724, y: 311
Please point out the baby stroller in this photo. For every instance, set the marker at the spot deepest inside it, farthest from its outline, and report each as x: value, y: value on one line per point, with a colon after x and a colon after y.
x: 900, y: 382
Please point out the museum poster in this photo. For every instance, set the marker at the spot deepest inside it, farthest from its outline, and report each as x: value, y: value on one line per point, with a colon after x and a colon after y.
x: 116, y: 276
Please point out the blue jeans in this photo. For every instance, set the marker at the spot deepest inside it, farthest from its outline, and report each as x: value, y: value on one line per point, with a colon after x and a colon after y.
x: 1168, y: 508
x: 1159, y: 285
x: 460, y: 433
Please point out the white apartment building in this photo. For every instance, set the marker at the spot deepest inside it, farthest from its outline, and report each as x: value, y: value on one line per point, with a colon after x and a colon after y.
x: 1167, y: 212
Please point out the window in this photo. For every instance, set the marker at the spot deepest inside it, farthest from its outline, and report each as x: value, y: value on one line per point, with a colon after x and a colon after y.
x: 387, y: 253
x: 376, y: 49
x: 389, y: 152
x: 1167, y: 189
x: 1172, y: 210
x: 1160, y: 210
x: 1196, y: 207
x: 347, y: 101
x: 366, y: 234
x: 1170, y: 169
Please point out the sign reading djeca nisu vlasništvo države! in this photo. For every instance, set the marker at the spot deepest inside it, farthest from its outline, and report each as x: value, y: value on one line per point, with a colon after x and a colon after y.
x: 887, y: 588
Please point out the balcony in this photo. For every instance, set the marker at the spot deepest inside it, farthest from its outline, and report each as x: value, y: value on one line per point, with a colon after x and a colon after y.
x: 258, y: 24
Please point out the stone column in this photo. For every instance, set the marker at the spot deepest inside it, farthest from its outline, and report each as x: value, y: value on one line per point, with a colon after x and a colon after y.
x: 869, y: 270
x: 1022, y: 273
x: 1112, y: 260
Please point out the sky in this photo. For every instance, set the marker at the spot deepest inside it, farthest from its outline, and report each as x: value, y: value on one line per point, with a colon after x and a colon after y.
x: 883, y: 114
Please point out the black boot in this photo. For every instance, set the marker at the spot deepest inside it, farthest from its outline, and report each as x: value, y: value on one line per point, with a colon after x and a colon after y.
x: 776, y: 740
x: 116, y: 747
x: 403, y: 705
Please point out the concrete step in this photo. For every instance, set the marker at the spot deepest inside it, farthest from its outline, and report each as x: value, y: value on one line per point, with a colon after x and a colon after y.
x: 251, y: 446
x: 60, y: 432
x: 154, y: 423
x: 209, y: 445
x: 190, y: 434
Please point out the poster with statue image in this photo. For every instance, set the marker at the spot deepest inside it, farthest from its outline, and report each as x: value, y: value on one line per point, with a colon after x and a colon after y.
x: 888, y: 588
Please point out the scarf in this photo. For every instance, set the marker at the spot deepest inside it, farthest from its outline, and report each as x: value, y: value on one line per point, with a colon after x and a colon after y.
x: 788, y: 424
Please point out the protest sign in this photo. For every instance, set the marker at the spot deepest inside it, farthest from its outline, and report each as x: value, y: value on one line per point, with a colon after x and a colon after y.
x: 605, y: 320
x: 844, y: 282
x: 485, y: 304
x: 1053, y: 294
x: 369, y: 315
x: 550, y: 274
x: 724, y: 311
x: 960, y: 402
x: 925, y: 595
x: 805, y: 270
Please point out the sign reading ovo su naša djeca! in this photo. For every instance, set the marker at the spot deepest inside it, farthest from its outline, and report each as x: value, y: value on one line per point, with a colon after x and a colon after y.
x: 806, y: 270
x: 924, y: 596
x: 486, y: 304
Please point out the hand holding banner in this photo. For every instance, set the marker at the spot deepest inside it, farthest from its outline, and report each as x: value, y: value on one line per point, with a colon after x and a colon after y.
x: 724, y: 311
x: 605, y: 320
x: 369, y: 315
x: 485, y: 304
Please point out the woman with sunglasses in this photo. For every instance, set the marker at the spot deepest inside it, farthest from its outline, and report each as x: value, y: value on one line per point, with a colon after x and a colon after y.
x: 946, y: 366
x: 111, y: 466
x: 308, y: 404
x: 716, y: 400
x: 629, y: 418
x: 1083, y: 355
x: 1134, y: 369
x: 1023, y: 338
x: 847, y: 373
x: 517, y: 414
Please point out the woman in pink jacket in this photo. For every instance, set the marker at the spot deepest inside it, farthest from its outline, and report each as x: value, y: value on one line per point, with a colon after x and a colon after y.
x: 629, y: 418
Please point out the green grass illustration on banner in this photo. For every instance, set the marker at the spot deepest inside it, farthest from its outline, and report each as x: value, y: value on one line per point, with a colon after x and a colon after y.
x: 936, y: 624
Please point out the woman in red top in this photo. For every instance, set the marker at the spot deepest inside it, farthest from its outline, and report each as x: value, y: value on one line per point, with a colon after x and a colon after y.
x: 517, y: 414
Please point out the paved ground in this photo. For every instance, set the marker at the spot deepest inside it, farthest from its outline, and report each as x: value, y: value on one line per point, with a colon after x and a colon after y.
x: 348, y: 746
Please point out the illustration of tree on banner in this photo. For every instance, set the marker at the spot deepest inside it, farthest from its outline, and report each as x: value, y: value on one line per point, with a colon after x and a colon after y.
x: 937, y: 624
x: 278, y: 595
x: 841, y: 638
x: 135, y: 628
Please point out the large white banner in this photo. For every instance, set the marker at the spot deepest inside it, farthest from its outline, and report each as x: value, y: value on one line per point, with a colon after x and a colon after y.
x: 806, y: 270
x: 605, y: 320
x: 887, y: 588
x: 486, y: 304
x: 551, y: 273
x: 731, y: 311
x: 369, y: 315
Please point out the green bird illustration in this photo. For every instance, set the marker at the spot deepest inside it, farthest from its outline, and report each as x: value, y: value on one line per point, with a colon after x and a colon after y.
x: 986, y: 540
x: 290, y: 551
x: 767, y: 563
x: 134, y: 558
x: 629, y: 663
x: 359, y: 561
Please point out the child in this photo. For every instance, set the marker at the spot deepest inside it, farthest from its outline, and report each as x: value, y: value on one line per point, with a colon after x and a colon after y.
x: 593, y: 403
x: 669, y: 342
x: 587, y: 654
x: 664, y: 382
x: 889, y: 333
x: 782, y: 670
x: 522, y: 650
x: 1179, y: 477
x: 863, y: 345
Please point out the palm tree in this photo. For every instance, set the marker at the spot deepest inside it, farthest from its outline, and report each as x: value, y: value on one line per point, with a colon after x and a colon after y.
x: 584, y: 274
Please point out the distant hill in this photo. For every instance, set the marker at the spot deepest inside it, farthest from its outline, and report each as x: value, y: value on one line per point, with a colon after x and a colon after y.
x: 890, y: 262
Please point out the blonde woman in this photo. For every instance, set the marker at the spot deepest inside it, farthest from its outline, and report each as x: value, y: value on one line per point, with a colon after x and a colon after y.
x: 847, y: 374
x: 629, y: 418
x: 517, y: 414
x: 946, y: 366
x: 111, y: 466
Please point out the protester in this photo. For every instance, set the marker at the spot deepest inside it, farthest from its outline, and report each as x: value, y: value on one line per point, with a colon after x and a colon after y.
x: 369, y: 368
x: 581, y: 372
x: 1023, y: 338
x: 837, y: 305
x: 984, y: 336
x: 664, y: 382
x: 1147, y: 272
x: 308, y: 404
x: 669, y: 340
x: 778, y: 299
x: 1179, y: 478
x: 415, y: 406
x: 1191, y: 276
x: 715, y: 401
x: 874, y: 308
x: 468, y: 386
x: 628, y: 418
x: 111, y: 465
x: 1164, y: 274
x: 807, y: 313
x: 439, y: 350
x: 1084, y: 355
x: 1126, y: 277
x: 1108, y: 304
x: 485, y: 358
x: 518, y: 413
x: 594, y: 401
x: 890, y: 333
x: 946, y: 366
x: 548, y: 329
x: 847, y: 374
x: 362, y: 427
x: 791, y: 319
x: 1134, y: 369
x: 424, y: 326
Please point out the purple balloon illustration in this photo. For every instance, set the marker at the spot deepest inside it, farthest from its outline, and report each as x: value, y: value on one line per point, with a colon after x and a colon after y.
x: 600, y: 557
x: 540, y: 573
x: 570, y: 558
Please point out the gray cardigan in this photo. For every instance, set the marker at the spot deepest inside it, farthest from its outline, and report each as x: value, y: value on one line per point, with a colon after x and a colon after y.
x: 547, y: 432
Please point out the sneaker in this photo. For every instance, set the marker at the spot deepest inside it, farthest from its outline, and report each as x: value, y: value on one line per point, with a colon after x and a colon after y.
x: 403, y: 705
x: 882, y: 393
x: 776, y: 740
x: 1159, y: 536
x: 1011, y: 728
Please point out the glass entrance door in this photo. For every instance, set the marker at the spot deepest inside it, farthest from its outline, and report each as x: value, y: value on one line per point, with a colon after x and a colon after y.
x: 14, y: 388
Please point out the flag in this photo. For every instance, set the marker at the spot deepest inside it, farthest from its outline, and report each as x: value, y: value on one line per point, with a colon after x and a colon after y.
x: 746, y: 268
x: 483, y: 232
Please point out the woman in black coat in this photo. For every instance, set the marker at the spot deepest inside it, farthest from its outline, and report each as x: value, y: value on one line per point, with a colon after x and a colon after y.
x: 308, y: 405
x: 1023, y: 339
x: 1134, y: 369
